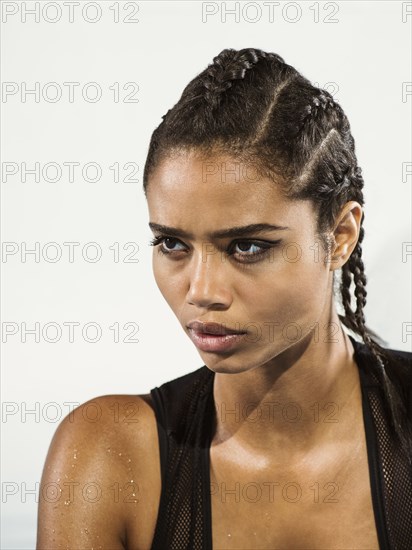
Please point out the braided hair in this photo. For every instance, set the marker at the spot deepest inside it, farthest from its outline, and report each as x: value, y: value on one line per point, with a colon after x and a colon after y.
x: 251, y: 104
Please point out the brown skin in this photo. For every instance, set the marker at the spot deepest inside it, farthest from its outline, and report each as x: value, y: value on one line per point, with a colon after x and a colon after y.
x: 317, y: 366
x: 119, y: 454
x: 200, y: 280
x: 278, y: 366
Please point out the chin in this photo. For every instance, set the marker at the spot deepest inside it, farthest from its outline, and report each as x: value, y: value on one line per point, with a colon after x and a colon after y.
x: 225, y: 370
x: 227, y: 366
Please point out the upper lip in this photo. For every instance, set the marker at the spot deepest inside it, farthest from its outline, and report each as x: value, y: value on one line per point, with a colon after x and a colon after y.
x: 209, y: 327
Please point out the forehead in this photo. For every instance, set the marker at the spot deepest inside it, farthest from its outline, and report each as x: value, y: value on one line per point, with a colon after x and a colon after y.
x: 194, y: 188
x: 189, y: 172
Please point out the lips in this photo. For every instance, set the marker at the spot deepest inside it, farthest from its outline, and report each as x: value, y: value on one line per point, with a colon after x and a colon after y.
x: 212, y: 328
x: 215, y: 338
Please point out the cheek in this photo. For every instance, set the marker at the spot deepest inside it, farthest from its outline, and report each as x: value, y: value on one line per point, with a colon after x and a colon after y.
x: 159, y: 275
x: 294, y: 294
x: 169, y: 287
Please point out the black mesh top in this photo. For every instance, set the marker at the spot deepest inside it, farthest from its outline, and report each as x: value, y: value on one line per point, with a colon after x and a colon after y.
x: 185, y: 415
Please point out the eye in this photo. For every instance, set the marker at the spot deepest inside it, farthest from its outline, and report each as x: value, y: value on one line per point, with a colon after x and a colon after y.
x: 244, y: 254
x: 244, y: 245
x: 252, y: 251
x: 161, y: 240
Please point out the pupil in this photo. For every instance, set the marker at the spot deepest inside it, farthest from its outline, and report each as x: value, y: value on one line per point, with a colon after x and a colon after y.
x: 244, y: 246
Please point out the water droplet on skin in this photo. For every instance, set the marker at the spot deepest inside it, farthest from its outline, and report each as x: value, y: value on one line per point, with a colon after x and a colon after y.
x: 120, y: 454
x: 129, y: 460
x: 67, y: 502
x: 109, y: 450
x: 229, y: 535
x: 86, y: 531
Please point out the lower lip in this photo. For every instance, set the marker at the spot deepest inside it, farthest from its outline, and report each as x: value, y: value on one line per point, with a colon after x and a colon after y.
x: 214, y: 342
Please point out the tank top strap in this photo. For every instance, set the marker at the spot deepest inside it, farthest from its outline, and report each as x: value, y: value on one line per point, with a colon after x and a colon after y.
x: 184, y: 414
x: 390, y: 469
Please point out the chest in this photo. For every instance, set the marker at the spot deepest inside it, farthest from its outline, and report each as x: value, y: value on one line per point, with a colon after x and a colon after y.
x: 283, y: 506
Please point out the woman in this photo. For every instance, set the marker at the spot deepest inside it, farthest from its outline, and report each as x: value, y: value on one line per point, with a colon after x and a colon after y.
x: 293, y: 434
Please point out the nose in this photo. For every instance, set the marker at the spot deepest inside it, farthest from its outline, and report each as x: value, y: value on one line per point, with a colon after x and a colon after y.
x: 208, y: 282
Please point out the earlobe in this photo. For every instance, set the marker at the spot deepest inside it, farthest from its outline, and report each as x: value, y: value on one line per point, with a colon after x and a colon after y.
x: 346, y: 233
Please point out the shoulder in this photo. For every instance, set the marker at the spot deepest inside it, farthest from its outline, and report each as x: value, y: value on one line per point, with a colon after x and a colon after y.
x: 103, y: 421
x: 95, y: 470
x: 399, y: 362
x: 398, y: 367
x: 401, y: 354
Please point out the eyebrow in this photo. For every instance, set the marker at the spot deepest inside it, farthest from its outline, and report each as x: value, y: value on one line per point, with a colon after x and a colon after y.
x: 221, y: 234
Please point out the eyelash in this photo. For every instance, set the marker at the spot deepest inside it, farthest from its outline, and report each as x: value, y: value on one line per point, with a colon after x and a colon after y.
x: 265, y: 245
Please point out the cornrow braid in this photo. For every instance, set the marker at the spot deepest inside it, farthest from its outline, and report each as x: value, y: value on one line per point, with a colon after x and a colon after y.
x: 322, y: 101
x: 350, y: 181
x: 228, y: 66
x: 251, y: 104
x: 355, y: 321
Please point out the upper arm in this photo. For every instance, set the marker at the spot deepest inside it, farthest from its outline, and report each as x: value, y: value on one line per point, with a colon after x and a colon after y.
x: 85, y: 478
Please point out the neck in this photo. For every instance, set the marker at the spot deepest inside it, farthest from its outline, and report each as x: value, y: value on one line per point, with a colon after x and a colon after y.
x: 306, y: 396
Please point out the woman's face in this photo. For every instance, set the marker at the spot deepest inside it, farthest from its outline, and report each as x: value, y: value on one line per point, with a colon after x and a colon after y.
x: 279, y: 297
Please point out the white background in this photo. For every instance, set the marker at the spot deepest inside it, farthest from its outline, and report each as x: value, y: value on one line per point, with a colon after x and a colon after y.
x: 365, y: 53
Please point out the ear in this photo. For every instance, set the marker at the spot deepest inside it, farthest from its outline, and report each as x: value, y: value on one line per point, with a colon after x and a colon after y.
x: 346, y: 234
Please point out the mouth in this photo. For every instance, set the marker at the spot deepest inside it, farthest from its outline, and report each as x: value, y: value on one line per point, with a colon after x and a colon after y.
x: 215, y: 343
x: 210, y: 328
x: 214, y: 337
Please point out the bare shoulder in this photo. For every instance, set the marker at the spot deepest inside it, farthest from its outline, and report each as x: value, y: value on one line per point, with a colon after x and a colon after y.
x: 101, y: 481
